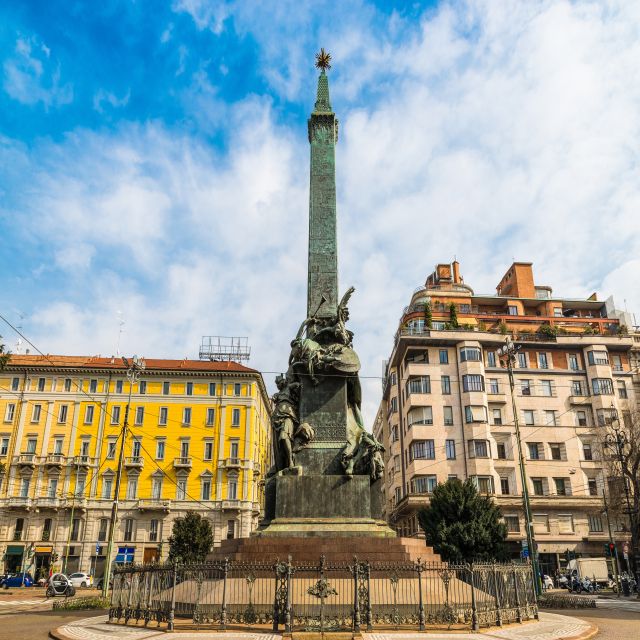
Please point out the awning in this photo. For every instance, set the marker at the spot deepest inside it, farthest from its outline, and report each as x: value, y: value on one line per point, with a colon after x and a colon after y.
x: 45, y: 548
x: 15, y: 550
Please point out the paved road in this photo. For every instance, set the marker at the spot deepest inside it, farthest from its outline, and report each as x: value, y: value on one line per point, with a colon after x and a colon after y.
x: 612, y: 624
x: 35, y: 625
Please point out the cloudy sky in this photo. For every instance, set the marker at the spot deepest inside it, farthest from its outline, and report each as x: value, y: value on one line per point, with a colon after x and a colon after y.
x: 154, y: 162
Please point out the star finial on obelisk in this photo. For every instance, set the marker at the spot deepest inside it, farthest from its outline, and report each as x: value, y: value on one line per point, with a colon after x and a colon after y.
x: 323, y: 60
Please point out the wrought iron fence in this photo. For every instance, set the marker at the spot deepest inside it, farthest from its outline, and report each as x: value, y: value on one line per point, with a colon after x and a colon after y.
x: 323, y: 596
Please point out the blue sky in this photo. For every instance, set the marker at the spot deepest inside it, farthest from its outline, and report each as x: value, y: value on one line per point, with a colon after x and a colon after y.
x: 154, y: 162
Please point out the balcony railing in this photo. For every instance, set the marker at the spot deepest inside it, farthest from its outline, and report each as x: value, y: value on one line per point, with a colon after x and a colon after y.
x: 134, y: 462
x: 55, y: 460
x: 84, y: 461
x: 26, y: 459
x: 153, y: 504
x: 46, y: 502
x: 182, y: 463
x: 231, y: 463
x: 20, y: 501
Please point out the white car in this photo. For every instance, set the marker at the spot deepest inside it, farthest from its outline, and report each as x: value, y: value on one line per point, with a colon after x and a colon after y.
x: 81, y: 580
x: 547, y: 582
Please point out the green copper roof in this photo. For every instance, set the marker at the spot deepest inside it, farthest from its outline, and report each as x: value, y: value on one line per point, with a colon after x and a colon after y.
x: 323, y: 103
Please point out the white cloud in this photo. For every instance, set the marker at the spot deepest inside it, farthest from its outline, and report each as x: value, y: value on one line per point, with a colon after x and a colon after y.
x: 491, y: 131
x: 102, y: 96
x: 31, y: 77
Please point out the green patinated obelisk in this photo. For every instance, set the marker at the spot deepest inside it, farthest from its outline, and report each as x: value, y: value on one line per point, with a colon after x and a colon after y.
x: 322, y: 285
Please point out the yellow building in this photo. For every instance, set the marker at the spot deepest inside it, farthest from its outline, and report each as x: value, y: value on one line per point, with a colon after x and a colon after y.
x: 199, y: 440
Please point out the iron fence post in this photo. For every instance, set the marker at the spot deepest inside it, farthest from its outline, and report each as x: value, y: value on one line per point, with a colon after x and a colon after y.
x: 515, y: 591
x: 369, y: 616
x: 497, y: 596
x: 419, y: 569
x: 287, y: 613
x: 474, y: 609
x: 356, y: 599
x: 172, y: 610
x: 127, y: 613
x: 223, y: 608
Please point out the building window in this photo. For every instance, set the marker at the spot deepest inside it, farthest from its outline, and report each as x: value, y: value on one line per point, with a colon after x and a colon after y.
x: 513, y: 524
x: 166, y: 388
x: 595, y: 523
x: 444, y: 356
x: 115, y: 414
x: 540, y: 523
x: 512, y: 309
x: 397, y: 495
x: 62, y: 413
x: 111, y: 449
x: 538, y: 486
x: 181, y: 489
x: 52, y: 489
x: 46, y: 529
x: 565, y: 523
x: 88, y: 414
x: 576, y: 388
x: 135, y: 448
x: 421, y: 384
x: 15, y: 384
x: 573, y: 362
x: 450, y: 449
x: 231, y: 529
x: 132, y: 488
x: 546, y: 388
x: 422, y: 450
x: 160, y: 449
x: 598, y: 357
x: 424, y: 484
x: 475, y: 413
x: 550, y: 418
x: 212, y: 388
x: 420, y: 415
x: 31, y: 445
x: 236, y: 389
x: 208, y: 450
x: 393, y: 405
x: 501, y: 448
x: 142, y: 387
x: 622, y: 390
x: 491, y: 358
x: 163, y: 416
x: 602, y: 386
x: 184, y: 448
x: 41, y: 383
x: 528, y: 417
x: 445, y: 381
x: 119, y: 386
x: 139, y: 415
x: 153, y: 530
x: 448, y: 416
x: 525, y: 387
x: 534, y: 450
x: 494, y: 387
x: 395, y: 436
x: 522, y: 360
x: 472, y: 383
x: 470, y: 354
x: 417, y: 356
x: 103, y: 529
x: 211, y: 416
x: 75, y: 529
x: 4, y: 446
x: 189, y: 388
x: 186, y: 417
x: 543, y: 362
x: 562, y: 486
x: 593, y: 486
x: 232, y: 489
x: 107, y: 487
x: 484, y: 484
x: 478, y: 449
x: 505, y: 488
x: 496, y: 416
x: 128, y: 529
x: 205, y: 489
x: 235, y: 417
x: 556, y: 451
x: 156, y: 488
x: 587, y: 451
x: 581, y: 418
x: 10, y: 412
x: 19, y: 528
x: 24, y: 487
x: 35, y: 415
x: 93, y: 386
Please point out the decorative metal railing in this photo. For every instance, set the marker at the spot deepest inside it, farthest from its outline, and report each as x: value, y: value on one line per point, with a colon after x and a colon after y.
x: 324, y: 596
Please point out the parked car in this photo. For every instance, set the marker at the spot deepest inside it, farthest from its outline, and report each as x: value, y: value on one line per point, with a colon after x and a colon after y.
x: 81, y: 579
x: 100, y: 583
x: 547, y: 582
x: 18, y: 580
x: 59, y: 585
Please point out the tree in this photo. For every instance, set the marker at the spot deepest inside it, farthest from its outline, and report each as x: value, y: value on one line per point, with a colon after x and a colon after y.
x: 462, y: 525
x: 453, y: 316
x: 428, y: 315
x: 191, y: 539
x: 4, y: 356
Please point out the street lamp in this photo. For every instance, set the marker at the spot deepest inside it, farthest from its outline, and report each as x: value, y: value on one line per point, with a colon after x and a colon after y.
x: 134, y: 368
x: 618, y: 440
x: 507, y: 355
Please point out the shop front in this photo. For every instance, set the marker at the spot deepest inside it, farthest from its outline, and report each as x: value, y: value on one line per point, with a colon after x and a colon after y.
x: 43, y: 561
x: 13, y: 558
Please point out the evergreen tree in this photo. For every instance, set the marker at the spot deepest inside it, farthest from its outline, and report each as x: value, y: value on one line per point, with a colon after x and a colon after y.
x: 453, y: 316
x: 428, y: 315
x: 191, y: 539
x: 4, y: 356
x: 462, y: 525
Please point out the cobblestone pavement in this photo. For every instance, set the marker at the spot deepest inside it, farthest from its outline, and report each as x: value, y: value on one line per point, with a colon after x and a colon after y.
x: 551, y: 627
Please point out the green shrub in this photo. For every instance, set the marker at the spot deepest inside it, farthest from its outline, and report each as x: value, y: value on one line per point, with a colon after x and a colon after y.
x: 86, y: 602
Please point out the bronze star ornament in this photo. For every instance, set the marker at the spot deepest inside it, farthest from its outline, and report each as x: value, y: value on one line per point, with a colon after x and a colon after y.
x: 323, y: 60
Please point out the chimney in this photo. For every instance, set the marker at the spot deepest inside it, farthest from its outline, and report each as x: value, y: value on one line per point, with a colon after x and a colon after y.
x: 456, y: 272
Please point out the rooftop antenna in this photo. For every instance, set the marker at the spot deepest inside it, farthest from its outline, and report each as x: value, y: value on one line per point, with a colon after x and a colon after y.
x: 120, y: 330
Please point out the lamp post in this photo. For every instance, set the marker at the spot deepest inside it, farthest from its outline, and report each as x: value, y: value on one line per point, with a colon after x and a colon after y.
x: 507, y: 355
x: 134, y: 368
x: 618, y: 441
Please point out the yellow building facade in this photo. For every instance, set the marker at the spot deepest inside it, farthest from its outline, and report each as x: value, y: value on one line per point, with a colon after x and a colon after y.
x: 198, y: 440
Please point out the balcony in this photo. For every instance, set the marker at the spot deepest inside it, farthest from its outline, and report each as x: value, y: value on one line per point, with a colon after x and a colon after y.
x: 84, y: 461
x: 496, y: 397
x: 48, y: 503
x: 182, y: 463
x: 152, y: 504
x: 26, y: 460
x: 231, y: 504
x: 230, y: 463
x: 19, y: 502
x: 55, y: 460
x: 134, y: 462
x: 573, y: 399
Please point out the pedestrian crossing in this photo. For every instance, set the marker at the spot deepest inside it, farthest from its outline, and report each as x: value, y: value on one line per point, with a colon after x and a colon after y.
x: 17, y: 603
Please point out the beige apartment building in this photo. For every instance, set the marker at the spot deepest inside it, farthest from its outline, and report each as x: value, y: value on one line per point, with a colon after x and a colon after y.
x: 447, y: 412
x: 199, y: 439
